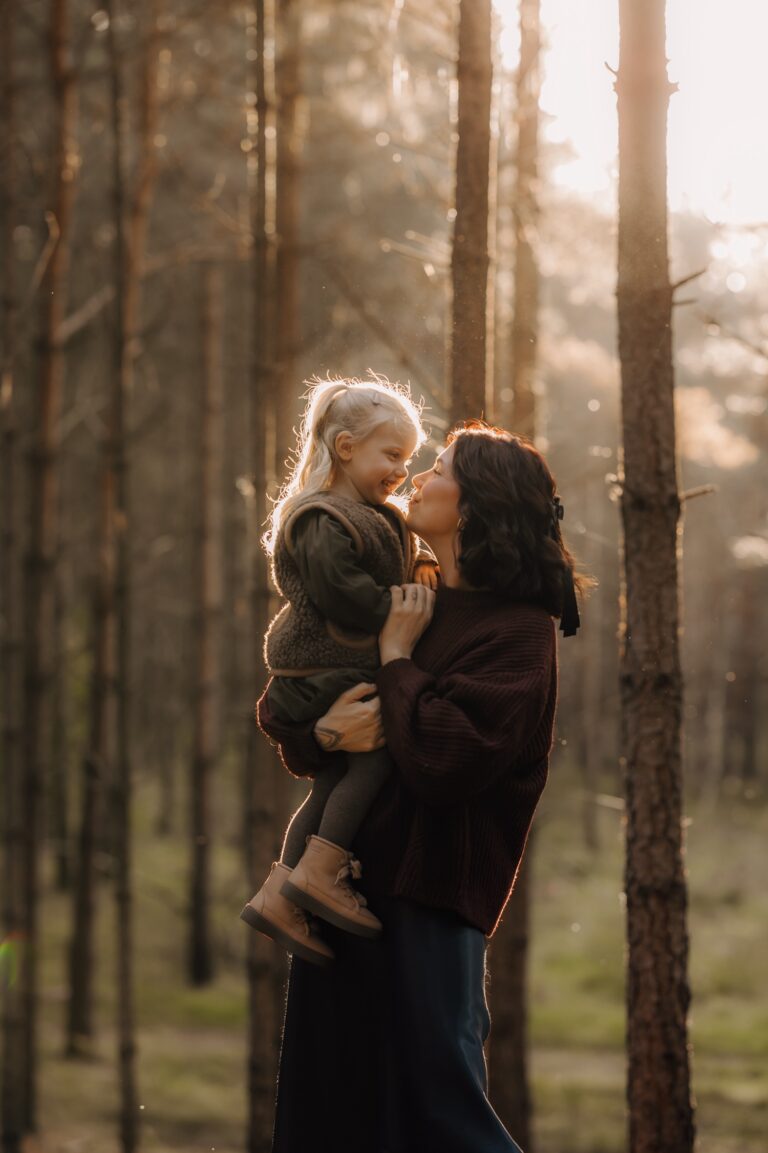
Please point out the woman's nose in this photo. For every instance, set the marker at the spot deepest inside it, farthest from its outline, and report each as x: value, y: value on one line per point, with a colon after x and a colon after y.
x: 418, y: 480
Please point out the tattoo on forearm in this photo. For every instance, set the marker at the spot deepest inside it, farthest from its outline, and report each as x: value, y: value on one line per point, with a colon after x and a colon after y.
x: 328, y: 739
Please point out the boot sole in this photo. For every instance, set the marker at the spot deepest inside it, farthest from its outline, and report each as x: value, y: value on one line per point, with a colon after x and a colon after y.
x: 289, y: 943
x: 311, y: 905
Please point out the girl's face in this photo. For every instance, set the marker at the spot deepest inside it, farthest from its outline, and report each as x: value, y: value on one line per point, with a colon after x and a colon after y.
x: 373, y: 468
x: 433, y: 511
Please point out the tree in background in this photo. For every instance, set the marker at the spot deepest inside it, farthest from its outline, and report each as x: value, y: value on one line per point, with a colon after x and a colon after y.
x: 469, y: 262
x: 11, y: 1021
x: 289, y: 143
x: 508, y: 1050
x: 39, y: 605
x: 130, y: 219
x: 660, y: 1107
x: 525, y: 210
x: 207, y: 695
x: 260, y: 766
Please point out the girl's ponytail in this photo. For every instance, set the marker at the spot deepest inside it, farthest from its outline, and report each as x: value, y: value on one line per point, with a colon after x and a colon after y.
x: 334, y: 406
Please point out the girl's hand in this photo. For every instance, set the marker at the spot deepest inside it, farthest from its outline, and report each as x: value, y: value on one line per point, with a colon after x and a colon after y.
x: 352, y: 725
x: 411, y: 612
x: 425, y: 574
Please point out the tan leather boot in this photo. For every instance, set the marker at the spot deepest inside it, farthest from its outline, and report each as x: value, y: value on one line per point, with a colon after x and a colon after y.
x: 274, y: 915
x: 320, y: 884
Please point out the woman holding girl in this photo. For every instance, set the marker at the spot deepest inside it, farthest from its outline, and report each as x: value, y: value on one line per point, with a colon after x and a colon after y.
x: 383, y: 1051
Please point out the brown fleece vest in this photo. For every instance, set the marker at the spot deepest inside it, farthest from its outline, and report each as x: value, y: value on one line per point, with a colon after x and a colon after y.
x: 300, y: 641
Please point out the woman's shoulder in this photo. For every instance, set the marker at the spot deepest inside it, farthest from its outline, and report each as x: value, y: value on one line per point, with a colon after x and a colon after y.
x: 493, y: 627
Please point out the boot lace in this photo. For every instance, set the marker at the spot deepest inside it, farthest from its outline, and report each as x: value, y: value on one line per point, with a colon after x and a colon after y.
x: 351, y: 868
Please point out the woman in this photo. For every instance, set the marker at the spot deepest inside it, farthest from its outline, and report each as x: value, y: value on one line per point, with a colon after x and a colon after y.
x: 383, y: 1052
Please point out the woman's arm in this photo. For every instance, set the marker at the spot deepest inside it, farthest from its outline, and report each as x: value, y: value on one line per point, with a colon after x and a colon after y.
x: 351, y: 725
x: 452, y: 736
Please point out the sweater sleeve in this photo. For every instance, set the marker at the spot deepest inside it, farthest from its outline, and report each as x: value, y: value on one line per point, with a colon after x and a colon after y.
x: 329, y: 567
x: 299, y: 751
x: 452, y: 736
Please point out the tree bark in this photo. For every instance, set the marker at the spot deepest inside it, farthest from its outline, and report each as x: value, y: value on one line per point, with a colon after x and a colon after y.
x: 260, y: 769
x: 39, y: 614
x: 130, y: 252
x: 289, y: 145
x: 508, y: 1067
x: 469, y: 260
x: 206, y: 735
x: 58, y: 789
x: 525, y: 211
x: 660, y: 1108
x: 11, y: 1038
x: 80, y: 1025
x: 508, y: 1078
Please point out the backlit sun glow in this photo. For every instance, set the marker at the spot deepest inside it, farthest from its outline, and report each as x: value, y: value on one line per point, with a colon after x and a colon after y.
x: 717, y: 163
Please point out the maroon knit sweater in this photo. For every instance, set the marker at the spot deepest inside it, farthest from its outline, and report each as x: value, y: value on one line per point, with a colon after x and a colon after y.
x: 469, y: 724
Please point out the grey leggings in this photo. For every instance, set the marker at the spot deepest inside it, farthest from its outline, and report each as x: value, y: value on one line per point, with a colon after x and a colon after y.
x: 336, y: 806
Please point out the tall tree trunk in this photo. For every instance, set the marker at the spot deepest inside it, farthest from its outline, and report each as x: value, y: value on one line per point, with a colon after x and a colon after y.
x: 59, y: 775
x: 508, y: 1067
x: 508, y: 1078
x: 288, y: 167
x: 260, y: 767
x: 525, y: 208
x: 130, y: 248
x: 469, y: 260
x: 11, y: 1039
x: 95, y: 771
x: 206, y: 736
x: 40, y: 578
x: 660, y: 1108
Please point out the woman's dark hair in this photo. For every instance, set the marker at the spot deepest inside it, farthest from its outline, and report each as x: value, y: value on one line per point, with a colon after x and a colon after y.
x: 509, y: 528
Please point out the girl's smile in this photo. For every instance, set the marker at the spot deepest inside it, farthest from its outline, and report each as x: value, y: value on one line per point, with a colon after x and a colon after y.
x: 372, y: 469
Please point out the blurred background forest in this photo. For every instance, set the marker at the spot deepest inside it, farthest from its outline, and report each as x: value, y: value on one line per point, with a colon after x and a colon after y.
x: 353, y: 224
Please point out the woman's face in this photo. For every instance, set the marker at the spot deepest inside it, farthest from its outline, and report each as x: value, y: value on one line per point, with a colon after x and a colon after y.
x: 433, y: 510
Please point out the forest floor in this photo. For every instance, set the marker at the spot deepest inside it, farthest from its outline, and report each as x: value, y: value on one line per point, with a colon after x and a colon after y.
x: 192, y: 1045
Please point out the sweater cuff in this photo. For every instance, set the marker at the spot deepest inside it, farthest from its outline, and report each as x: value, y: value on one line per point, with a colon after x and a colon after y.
x: 401, y: 674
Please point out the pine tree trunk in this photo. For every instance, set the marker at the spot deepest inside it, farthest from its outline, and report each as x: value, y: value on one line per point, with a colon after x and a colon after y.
x: 130, y: 249
x: 287, y: 209
x: 206, y: 736
x: 11, y: 1038
x: 259, y: 807
x: 469, y: 261
x: 39, y: 614
x: 525, y: 208
x: 508, y: 1078
x: 508, y: 1066
x: 99, y: 754
x: 59, y: 775
x: 660, y: 1108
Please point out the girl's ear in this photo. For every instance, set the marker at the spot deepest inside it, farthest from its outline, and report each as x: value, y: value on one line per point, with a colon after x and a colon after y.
x: 343, y: 445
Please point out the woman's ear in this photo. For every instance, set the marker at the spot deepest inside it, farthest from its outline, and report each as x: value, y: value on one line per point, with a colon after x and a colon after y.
x: 343, y: 445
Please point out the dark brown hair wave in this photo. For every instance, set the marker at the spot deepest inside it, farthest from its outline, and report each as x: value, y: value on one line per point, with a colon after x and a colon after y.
x: 509, y: 533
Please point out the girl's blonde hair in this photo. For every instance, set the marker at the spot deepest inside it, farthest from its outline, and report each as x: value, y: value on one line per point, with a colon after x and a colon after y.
x: 338, y: 405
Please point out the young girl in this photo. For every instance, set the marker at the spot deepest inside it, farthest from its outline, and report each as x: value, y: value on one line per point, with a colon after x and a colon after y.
x: 337, y: 545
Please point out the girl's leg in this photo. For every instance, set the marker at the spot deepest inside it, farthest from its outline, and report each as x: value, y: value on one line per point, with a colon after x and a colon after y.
x: 321, y: 883
x: 306, y: 820
x: 348, y: 803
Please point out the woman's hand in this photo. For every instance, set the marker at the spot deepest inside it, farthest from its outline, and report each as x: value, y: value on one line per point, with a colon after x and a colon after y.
x: 411, y: 612
x: 352, y: 725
